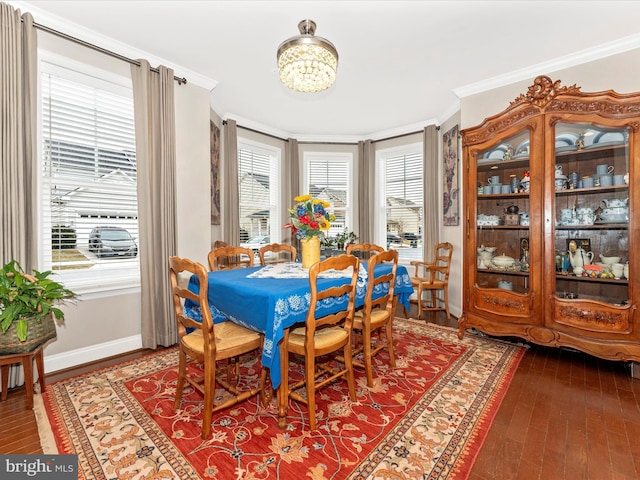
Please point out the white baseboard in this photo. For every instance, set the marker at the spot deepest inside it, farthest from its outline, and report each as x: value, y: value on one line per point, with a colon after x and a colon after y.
x: 61, y: 361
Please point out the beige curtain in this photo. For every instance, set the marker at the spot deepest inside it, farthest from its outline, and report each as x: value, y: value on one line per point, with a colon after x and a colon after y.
x: 230, y: 210
x: 18, y: 136
x: 292, y: 186
x: 18, y: 149
x: 431, y: 182
x: 366, y: 191
x: 153, y: 100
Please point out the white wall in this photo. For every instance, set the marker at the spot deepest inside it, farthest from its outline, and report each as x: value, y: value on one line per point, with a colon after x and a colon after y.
x: 102, y: 325
x: 453, y: 234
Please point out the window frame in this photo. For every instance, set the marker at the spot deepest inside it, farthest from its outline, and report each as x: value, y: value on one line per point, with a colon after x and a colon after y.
x: 380, y: 221
x: 110, y: 278
x: 275, y: 207
x: 310, y: 157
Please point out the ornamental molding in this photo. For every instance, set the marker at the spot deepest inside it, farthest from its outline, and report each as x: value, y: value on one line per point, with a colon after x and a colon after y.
x: 543, y: 91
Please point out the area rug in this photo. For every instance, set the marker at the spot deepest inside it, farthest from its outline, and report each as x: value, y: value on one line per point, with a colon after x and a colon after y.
x: 427, y: 418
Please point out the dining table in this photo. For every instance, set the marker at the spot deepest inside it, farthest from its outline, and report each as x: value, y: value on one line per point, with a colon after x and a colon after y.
x: 269, y: 299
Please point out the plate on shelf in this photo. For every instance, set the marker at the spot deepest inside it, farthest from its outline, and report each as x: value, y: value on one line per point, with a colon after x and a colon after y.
x: 522, y: 150
x: 497, y: 153
x: 566, y: 139
x: 609, y: 137
x: 563, y: 147
x: 589, y: 135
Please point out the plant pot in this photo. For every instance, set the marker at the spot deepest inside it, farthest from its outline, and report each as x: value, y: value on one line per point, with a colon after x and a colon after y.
x: 39, y: 333
x: 310, y: 251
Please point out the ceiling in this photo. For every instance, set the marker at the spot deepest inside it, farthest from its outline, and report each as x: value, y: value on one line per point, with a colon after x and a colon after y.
x: 403, y: 64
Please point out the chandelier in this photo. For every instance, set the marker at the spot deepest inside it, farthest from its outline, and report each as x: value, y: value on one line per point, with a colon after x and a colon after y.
x: 307, y: 63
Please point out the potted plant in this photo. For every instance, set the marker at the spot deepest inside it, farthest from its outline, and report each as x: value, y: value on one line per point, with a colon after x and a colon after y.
x: 27, y: 308
x: 345, y: 238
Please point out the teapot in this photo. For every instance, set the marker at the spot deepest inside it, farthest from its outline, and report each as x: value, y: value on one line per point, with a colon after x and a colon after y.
x: 615, y: 202
x: 580, y: 258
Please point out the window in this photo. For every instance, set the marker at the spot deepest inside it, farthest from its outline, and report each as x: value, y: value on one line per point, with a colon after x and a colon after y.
x: 400, y: 199
x: 258, y: 187
x: 327, y: 176
x: 89, y: 215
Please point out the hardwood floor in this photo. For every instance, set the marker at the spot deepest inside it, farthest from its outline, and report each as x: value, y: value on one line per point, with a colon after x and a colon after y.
x: 566, y: 415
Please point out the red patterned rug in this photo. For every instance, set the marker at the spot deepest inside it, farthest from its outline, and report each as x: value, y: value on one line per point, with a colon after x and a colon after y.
x: 425, y: 419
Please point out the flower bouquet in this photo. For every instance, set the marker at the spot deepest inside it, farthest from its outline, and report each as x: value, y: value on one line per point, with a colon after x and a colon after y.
x: 309, y: 221
x: 309, y: 218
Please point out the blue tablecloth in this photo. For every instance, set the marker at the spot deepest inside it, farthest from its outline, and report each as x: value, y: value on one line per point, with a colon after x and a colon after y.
x: 271, y: 305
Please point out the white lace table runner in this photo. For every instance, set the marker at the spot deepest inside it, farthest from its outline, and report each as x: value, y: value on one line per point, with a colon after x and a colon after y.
x: 295, y: 270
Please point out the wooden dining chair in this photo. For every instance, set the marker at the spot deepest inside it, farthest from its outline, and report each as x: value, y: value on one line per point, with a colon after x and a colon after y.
x: 364, y: 251
x: 220, y: 244
x: 207, y: 344
x: 321, y: 335
x: 433, y: 277
x: 273, y: 253
x: 225, y: 258
x: 377, y: 314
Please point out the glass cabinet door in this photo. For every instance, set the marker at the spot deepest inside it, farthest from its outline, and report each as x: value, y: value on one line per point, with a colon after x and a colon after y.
x: 502, y: 215
x: 591, y: 195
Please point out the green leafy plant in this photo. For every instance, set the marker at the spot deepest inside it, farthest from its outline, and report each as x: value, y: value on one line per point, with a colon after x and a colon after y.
x: 28, y: 298
x: 345, y: 238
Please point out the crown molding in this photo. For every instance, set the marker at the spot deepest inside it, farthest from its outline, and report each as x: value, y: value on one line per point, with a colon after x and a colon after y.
x: 583, y: 56
x: 108, y: 43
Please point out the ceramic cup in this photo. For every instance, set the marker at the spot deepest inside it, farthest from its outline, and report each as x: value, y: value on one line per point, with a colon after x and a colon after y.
x: 505, y: 189
x: 618, y: 179
x: 495, y: 179
x: 606, y: 180
x: 587, y: 182
x: 496, y: 188
x: 617, y: 269
x: 604, y: 169
x: 574, y: 179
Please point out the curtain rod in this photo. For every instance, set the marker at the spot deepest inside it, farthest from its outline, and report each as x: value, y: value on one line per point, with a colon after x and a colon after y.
x: 99, y: 49
x: 224, y: 122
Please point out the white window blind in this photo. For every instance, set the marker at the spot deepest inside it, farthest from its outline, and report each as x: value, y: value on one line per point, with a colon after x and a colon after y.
x: 88, y: 181
x: 258, y: 186
x: 402, y: 183
x: 328, y: 177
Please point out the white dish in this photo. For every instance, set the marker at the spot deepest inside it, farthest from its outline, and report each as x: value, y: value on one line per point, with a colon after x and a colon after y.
x: 567, y: 138
x: 563, y: 147
x: 523, y: 149
x: 609, y: 137
x: 497, y: 153
x: 605, y: 144
x: 588, y: 136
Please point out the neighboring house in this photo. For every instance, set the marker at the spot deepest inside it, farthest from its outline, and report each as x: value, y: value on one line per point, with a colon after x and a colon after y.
x: 404, y: 217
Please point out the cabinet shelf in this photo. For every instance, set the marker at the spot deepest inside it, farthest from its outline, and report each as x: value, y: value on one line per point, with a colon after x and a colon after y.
x: 598, y: 226
x: 590, y: 153
x: 489, y: 271
x: 492, y: 196
x: 581, y: 278
x: 488, y: 166
x: 583, y: 191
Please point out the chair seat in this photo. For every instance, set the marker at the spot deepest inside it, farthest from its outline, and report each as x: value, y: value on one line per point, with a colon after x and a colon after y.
x: 425, y: 282
x: 323, y: 337
x: 228, y: 336
x: 378, y: 318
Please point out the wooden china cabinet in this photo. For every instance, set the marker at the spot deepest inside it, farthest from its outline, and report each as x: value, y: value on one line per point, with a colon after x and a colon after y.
x: 551, y: 187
